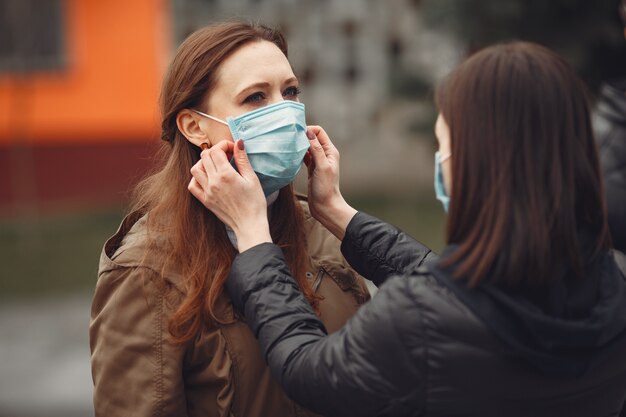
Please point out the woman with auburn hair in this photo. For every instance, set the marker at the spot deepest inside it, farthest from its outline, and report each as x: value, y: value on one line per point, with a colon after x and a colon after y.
x: 164, y: 337
x: 524, y: 313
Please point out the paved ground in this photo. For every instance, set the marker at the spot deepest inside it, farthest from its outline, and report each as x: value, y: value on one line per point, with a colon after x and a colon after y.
x: 44, y: 358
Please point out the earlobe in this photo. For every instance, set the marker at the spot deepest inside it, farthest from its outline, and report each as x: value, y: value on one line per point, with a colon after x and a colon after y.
x: 189, y: 125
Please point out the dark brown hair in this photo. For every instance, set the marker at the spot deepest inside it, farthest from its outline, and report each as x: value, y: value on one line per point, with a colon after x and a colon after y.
x: 525, y: 172
x: 197, y: 242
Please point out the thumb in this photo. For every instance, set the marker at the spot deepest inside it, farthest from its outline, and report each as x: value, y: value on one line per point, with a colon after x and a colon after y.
x: 242, y: 161
x: 316, y: 150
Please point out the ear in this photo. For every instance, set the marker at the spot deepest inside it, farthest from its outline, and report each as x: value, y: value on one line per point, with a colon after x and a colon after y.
x: 191, y: 125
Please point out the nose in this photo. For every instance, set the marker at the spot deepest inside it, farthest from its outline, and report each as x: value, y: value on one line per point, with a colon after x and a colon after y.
x: 276, y: 97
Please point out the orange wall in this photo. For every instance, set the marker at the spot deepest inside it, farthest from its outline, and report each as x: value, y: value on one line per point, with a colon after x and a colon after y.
x: 116, y: 52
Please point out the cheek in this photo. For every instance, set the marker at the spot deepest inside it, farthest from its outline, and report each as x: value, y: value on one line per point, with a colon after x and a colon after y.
x: 447, y: 177
x: 219, y: 133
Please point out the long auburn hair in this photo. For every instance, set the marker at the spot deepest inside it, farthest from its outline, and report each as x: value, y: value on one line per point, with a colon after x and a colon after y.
x: 197, y: 242
x: 525, y: 172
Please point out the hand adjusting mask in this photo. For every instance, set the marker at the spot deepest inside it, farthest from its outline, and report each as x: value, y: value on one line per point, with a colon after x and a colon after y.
x: 275, y: 141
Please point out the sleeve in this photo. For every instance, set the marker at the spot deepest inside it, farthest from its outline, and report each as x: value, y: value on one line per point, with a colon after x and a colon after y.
x: 372, y: 366
x: 135, y: 370
x: 613, y: 162
x: 377, y: 250
x: 611, y: 140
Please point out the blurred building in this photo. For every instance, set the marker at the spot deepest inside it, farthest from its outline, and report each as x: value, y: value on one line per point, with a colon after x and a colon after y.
x: 367, y: 69
x: 79, y: 85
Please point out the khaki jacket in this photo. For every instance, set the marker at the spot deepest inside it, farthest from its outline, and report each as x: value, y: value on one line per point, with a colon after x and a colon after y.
x: 138, y: 372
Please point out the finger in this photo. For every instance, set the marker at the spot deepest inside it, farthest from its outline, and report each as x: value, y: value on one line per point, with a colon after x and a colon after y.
x: 207, y: 163
x: 314, y: 128
x: 242, y: 161
x: 323, y: 139
x: 199, y: 174
x: 195, y: 189
x: 227, y: 146
x: 310, y: 168
x: 220, y: 160
x: 318, y: 155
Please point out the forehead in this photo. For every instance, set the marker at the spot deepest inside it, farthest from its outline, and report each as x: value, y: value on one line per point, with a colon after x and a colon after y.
x: 253, y: 62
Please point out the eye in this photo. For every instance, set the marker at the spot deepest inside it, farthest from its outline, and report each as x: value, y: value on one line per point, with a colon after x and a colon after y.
x: 254, y: 97
x: 291, y: 93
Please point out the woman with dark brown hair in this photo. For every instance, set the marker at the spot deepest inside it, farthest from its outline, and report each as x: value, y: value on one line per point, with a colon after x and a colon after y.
x: 524, y: 313
x: 164, y: 337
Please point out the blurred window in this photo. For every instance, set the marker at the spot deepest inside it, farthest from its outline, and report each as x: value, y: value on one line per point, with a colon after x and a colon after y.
x: 350, y: 29
x: 395, y: 48
x: 31, y: 35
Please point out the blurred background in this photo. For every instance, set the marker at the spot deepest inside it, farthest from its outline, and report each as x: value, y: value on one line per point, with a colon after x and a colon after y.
x: 79, y: 121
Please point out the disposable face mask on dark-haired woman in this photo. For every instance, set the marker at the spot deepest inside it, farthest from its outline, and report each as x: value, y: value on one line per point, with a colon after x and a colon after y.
x: 440, y: 187
x: 275, y: 140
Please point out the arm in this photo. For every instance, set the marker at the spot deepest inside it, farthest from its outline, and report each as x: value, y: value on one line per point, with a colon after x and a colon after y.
x: 373, y: 248
x: 135, y: 370
x: 378, y: 250
x: 364, y: 369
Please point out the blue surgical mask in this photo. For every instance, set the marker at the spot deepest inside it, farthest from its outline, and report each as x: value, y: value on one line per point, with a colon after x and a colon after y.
x: 440, y: 188
x: 275, y: 140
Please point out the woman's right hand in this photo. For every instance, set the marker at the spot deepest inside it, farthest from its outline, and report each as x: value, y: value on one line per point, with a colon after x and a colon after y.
x: 236, y: 198
x: 326, y: 203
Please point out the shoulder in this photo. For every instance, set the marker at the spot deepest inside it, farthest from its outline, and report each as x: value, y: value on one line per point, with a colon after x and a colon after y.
x: 420, y: 302
x: 321, y: 244
x: 324, y: 250
x: 134, y: 250
x: 620, y: 260
x: 420, y: 292
x: 609, y: 119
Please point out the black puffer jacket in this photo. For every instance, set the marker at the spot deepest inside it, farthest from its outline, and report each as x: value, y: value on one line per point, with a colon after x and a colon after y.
x: 610, y: 129
x: 428, y: 346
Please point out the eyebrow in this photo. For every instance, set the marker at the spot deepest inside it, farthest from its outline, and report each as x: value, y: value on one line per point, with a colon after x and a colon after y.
x: 262, y: 84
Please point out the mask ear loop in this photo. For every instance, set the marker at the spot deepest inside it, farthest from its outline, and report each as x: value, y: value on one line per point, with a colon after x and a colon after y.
x: 209, y: 116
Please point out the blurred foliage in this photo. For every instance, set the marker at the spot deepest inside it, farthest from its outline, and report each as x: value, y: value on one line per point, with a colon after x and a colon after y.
x: 422, y: 125
x: 422, y: 218
x: 53, y: 255
x: 58, y: 255
x: 589, y: 34
x: 415, y: 86
x: 408, y: 84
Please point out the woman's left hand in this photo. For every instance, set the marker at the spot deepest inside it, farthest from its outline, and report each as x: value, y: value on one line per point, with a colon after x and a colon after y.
x: 236, y: 198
